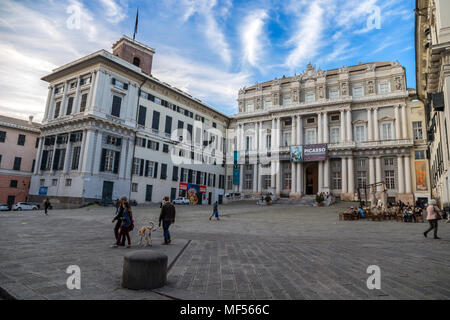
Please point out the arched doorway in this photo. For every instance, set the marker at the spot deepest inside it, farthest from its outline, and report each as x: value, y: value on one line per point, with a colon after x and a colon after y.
x: 311, y: 178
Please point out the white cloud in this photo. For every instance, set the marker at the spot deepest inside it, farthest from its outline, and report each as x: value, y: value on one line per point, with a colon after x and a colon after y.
x: 253, y: 37
x: 307, y: 37
x: 114, y: 12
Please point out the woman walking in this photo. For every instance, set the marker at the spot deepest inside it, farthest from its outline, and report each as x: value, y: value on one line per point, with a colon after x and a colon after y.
x: 215, y: 212
x: 433, y: 215
x: 126, y: 224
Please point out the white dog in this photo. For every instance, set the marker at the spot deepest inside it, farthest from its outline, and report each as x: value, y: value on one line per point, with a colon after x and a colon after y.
x: 146, y: 233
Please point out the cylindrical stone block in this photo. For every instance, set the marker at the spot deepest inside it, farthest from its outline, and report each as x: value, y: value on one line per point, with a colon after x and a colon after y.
x: 144, y: 269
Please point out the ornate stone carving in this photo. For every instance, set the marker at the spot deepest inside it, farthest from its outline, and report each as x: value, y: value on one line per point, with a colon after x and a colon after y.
x: 344, y: 69
x: 371, y: 67
x: 294, y: 94
x: 344, y: 88
x: 242, y: 90
x: 258, y: 104
x: 370, y: 87
x: 321, y: 92
x: 241, y: 106
x: 398, y: 83
x: 276, y: 98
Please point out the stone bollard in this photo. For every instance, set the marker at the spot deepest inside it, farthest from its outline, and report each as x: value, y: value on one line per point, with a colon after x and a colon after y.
x: 144, y: 269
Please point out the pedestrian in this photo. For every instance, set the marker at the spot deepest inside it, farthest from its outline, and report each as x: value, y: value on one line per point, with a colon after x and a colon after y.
x: 47, y: 205
x: 118, y: 219
x: 127, y: 218
x: 215, y: 211
x: 433, y: 215
x: 167, y: 217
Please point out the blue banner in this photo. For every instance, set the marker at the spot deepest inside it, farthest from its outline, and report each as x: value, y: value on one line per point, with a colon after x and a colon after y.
x: 43, y: 191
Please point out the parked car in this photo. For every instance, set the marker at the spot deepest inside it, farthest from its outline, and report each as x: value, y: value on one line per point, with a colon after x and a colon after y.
x: 181, y: 200
x: 4, y: 207
x: 19, y: 206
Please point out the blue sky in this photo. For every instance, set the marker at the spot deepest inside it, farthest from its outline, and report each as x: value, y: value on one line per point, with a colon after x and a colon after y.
x: 210, y: 48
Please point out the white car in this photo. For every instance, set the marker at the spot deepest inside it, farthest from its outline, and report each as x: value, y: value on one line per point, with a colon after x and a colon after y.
x: 24, y: 206
x: 182, y: 200
x: 4, y: 207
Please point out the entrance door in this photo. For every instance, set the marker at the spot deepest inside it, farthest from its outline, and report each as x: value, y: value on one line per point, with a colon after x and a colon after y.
x: 173, y: 194
x: 148, y: 192
x: 11, y: 200
x: 107, y: 191
x: 311, y: 178
x: 209, y: 198
x: 220, y: 199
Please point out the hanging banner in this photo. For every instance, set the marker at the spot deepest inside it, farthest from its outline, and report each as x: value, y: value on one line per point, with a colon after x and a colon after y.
x: 421, y: 175
x: 315, y: 152
x: 193, y: 193
x: 183, y: 186
x: 236, y: 171
x: 296, y: 154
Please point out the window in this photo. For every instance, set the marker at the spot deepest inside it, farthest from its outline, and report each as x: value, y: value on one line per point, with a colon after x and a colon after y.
x: 69, y: 105
x: 21, y: 140
x: 175, y: 173
x: 85, y: 80
x: 388, y: 162
x: 335, y: 134
x: 83, y: 102
x: 152, y: 145
x: 389, y: 179
x: 142, y: 115
x: 58, y: 161
x: 286, y: 139
x: 384, y: 87
x: 360, y: 133
x: 333, y: 93
x: 115, y: 110
x: 358, y: 91
x: 336, y: 178
x: 76, y: 136
x: 248, y: 181
x: 136, y: 166
x: 266, y: 181
x: 136, y: 61
x: 57, y: 109
x: 165, y: 148
x: 249, y: 107
x: 386, y: 131
x: 13, y: 183
x: 119, y: 84
x: 310, y: 97
x: 286, y: 100
x: 335, y: 117
x: 68, y: 182
x: 36, y: 145
x: 17, y: 162
x: 419, y: 154
x: 42, y: 182
x: 163, y: 171
x: 268, y: 141
x: 310, y: 136
x: 75, y: 157
x: 134, y: 187
x: 311, y: 120
x: 168, y: 128
x: 155, y: 122
x: 2, y: 136
x: 54, y: 182
x: 229, y: 182
x: 248, y: 143
x: 267, y: 104
x: 417, y: 130
x: 184, y: 175
x: 110, y: 161
x: 115, y: 141
x: 361, y: 179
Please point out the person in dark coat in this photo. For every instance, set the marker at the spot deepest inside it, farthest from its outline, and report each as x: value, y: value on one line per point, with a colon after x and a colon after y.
x: 167, y: 217
x: 47, y: 205
x: 215, y: 212
x: 118, y: 219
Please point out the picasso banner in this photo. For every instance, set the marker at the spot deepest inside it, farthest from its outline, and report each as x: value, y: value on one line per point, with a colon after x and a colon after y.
x: 421, y: 175
x: 315, y: 152
x: 296, y: 154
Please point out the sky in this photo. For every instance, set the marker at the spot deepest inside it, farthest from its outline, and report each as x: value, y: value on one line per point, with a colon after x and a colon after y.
x: 208, y: 48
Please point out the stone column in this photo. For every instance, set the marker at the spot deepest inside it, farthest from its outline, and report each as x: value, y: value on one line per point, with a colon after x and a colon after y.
x: 63, y: 109
x: 293, y: 178
x: 52, y: 171
x: 319, y: 128
x: 272, y: 136
x: 93, y: 90
x: 260, y: 178
x: 279, y: 134
x: 375, y: 125
x: 130, y: 159
x: 397, y: 123
x: 407, y: 174
x: 342, y: 129
x: 82, y: 151
x: 66, y: 168
x: 88, y: 153
x: 349, y: 126
x: 326, y: 135
x: 299, y: 178
x: 278, y: 175
x: 369, y: 125
x: 294, y: 131
x: 299, y: 130
x: 344, y: 177
x: 123, y: 159
x: 378, y: 177
x: 320, y: 176
x: 326, y: 175
x: 404, y: 123
x: 76, y: 103
x: 255, y: 178
x: 37, y: 165
x: 351, y: 177
x: 241, y: 137
x: 261, y: 136
x: 48, y: 103
x: 371, y: 171
x: 97, y: 152
x: 401, y: 175
x: 241, y: 177
x: 256, y: 143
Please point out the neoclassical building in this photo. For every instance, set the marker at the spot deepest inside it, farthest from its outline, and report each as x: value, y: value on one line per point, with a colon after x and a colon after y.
x: 352, y: 126
x: 111, y: 129
x: 432, y: 44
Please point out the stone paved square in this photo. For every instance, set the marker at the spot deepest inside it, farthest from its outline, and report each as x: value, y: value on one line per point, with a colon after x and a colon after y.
x: 281, y: 251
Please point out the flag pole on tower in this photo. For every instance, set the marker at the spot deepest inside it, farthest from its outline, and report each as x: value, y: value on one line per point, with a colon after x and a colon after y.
x: 136, y: 24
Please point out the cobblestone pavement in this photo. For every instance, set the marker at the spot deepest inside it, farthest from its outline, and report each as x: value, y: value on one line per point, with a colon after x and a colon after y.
x: 254, y: 252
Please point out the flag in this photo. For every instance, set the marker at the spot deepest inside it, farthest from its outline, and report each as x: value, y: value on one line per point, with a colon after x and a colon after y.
x: 136, y: 24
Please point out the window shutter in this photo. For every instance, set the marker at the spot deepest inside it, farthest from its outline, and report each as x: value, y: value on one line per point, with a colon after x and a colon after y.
x: 157, y: 146
x: 56, y: 159
x: 44, y: 159
x: 205, y: 179
x: 214, y: 180
x: 113, y: 81
x: 155, y: 172
x: 175, y: 173
x: 102, y: 161
x: 198, y: 178
x: 190, y: 176
x: 141, y: 169
x: 119, y: 142
x: 125, y: 86
x: 146, y: 167
x: 116, y: 162
x: 181, y: 175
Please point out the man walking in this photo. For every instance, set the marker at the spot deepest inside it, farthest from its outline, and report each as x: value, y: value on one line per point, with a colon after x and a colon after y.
x: 167, y: 217
x: 215, y: 211
x: 46, y: 205
x: 433, y: 215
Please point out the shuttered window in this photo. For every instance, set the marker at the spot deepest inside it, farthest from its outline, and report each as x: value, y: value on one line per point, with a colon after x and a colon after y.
x: 115, y: 110
x: 142, y: 115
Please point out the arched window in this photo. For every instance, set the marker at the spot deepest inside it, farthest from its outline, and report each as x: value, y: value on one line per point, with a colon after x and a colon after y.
x: 136, y: 61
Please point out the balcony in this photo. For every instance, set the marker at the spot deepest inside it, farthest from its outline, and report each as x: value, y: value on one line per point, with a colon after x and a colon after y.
x: 385, y: 143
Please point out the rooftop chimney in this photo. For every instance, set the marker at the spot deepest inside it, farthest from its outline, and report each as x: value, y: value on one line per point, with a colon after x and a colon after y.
x: 30, y: 119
